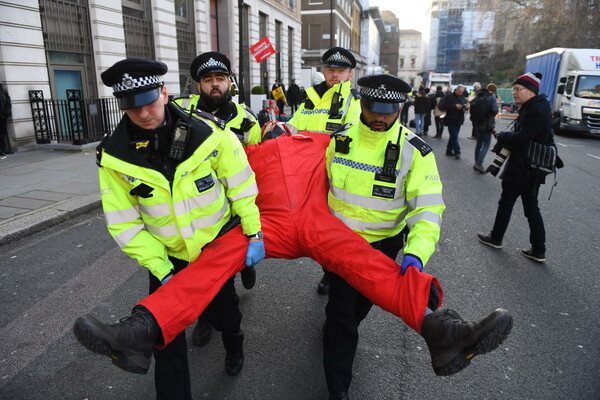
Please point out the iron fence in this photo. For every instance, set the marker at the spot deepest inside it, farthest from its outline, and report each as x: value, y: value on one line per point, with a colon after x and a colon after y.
x: 75, y: 120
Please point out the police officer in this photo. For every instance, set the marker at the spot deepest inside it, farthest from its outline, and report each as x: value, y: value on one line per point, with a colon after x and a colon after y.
x: 212, y: 73
x: 329, y: 105
x: 170, y: 181
x: 385, y: 186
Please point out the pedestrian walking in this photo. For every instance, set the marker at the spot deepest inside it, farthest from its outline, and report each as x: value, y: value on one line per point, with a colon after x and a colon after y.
x: 454, y: 104
x: 438, y: 113
x: 519, y: 179
x: 483, y: 110
x: 293, y: 96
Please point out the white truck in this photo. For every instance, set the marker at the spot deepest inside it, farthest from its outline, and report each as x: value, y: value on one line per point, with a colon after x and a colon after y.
x: 442, y: 79
x: 571, y: 80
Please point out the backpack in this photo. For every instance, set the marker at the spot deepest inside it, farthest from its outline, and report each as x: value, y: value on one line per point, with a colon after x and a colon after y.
x: 479, y: 109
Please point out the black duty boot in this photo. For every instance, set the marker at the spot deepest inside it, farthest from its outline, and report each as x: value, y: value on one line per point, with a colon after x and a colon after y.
x: 248, y: 275
x: 128, y: 343
x: 202, y: 332
x: 234, y: 346
x: 323, y: 286
x: 453, y: 342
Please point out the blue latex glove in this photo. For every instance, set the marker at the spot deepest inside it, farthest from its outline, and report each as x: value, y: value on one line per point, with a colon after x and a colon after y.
x: 410, y: 260
x: 255, y: 253
x: 166, y: 278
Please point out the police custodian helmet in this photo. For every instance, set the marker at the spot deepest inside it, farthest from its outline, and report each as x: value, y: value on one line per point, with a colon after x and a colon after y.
x: 135, y: 82
x: 338, y: 57
x: 382, y: 93
x: 211, y: 62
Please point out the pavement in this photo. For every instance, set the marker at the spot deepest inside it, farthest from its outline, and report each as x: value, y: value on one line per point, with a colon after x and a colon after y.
x: 43, y: 187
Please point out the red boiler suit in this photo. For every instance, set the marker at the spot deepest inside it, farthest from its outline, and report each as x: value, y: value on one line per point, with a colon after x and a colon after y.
x: 296, y: 221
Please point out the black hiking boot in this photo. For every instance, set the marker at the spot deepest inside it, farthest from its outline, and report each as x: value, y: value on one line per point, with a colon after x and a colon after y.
x: 128, y: 342
x: 453, y: 343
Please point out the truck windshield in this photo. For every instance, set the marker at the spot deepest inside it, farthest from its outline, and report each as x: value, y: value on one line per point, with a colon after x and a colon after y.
x: 588, y: 87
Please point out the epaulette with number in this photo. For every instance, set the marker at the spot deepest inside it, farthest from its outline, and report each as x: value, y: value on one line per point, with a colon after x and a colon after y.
x: 355, y: 93
x: 206, y: 115
x: 420, y: 145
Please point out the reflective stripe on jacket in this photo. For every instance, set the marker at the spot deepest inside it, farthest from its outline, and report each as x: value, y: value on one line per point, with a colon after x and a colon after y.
x: 376, y: 209
x: 177, y: 219
x: 251, y: 136
x: 317, y: 119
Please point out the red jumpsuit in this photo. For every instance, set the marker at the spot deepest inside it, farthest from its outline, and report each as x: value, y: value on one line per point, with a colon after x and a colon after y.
x: 296, y: 221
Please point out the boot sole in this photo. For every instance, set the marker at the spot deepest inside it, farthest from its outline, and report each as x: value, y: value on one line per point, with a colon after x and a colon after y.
x: 84, y: 334
x: 487, y: 342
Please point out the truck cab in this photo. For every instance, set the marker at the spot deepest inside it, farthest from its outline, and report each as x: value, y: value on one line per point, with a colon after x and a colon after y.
x: 579, y: 96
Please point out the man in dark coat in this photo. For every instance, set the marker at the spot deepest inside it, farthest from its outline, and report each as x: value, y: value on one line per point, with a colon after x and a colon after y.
x: 534, y: 123
x: 455, y: 105
x: 293, y: 96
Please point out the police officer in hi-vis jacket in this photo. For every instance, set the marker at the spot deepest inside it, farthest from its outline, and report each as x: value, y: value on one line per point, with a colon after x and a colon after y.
x: 171, y: 180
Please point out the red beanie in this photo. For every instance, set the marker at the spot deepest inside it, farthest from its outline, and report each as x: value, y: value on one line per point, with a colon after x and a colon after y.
x: 530, y: 81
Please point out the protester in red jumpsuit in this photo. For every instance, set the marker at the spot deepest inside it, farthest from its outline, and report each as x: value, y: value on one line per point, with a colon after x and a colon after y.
x: 296, y: 222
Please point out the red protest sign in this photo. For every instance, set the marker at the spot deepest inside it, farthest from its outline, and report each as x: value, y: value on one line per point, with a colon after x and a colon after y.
x: 262, y: 49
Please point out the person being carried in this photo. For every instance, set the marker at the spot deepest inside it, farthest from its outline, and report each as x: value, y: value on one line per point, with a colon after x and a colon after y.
x: 171, y: 181
x: 297, y: 222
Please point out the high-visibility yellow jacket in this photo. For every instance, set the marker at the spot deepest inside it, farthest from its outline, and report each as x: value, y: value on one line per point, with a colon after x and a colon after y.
x: 244, y: 124
x: 313, y: 113
x: 152, y: 218
x: 376, y: 208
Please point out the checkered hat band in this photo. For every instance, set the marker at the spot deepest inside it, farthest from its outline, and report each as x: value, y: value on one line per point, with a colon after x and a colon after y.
x: 338, y: 58
x: 381, y: 94
x: 129, y: 84
x: 211, y: 64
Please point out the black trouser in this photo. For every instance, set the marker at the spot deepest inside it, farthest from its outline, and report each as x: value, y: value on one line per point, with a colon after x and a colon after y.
x: 171, y: 372
x: 345, y: 310
x: 529, y: 197
x: 439, y: 125
x: 4, y: 140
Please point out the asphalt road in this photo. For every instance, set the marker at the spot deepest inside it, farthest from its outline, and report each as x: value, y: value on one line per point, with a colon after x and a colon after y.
x: 50, y: 278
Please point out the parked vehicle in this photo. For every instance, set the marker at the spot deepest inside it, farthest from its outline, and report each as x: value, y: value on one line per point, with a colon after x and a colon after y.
x: 571, y: 80
x: 436, y: 79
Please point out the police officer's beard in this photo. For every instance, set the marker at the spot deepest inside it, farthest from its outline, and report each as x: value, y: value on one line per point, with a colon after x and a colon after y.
x: 215, y: 102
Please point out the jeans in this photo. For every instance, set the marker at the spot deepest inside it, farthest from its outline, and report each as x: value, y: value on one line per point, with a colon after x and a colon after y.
x: 419, y: 123
x: 484, y: 136
x: 453, y: 146
x: 529, y: 197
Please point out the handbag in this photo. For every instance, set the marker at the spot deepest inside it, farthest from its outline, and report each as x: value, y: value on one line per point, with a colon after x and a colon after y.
x: 542, y: 157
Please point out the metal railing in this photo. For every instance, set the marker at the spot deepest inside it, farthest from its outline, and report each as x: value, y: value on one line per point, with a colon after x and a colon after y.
x: 75, y: 120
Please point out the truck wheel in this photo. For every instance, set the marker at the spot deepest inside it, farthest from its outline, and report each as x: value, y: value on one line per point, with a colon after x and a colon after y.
x: 556, y: 126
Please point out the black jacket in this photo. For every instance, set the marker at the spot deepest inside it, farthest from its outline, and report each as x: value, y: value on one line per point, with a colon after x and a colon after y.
x: 490, y: 98
x: 422, y: 103
x: 454, y: 116
x: 534, y: 123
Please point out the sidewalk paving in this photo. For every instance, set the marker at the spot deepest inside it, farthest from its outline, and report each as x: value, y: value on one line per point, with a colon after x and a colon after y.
x: 42, y: 187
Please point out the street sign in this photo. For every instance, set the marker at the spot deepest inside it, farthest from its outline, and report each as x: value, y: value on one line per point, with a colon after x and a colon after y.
x: 262, y: 49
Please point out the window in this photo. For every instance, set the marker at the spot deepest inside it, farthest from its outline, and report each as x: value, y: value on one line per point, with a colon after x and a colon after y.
x: 401, y: 62
x: 413, y: 61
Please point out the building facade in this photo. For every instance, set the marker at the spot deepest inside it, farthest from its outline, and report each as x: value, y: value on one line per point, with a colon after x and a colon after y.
x: 410, y: 57
x: 56, y: 47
